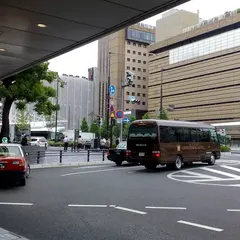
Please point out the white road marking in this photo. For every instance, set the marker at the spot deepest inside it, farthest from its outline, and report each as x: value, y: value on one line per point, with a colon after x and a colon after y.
x: 16, y: 204
x: 89, y: 167
x: 201, y: 226
x: 131, y: 210
x: 222, y: 173
x: 87, y: 206
x: 96, y: 171
x: 233, y: 210
x: 167, y: 208
x: 231, y: 168
x: 201, y: 175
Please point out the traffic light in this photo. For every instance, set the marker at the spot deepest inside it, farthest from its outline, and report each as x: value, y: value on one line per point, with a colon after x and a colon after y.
x: 129, y: 78
x: 99, y: 121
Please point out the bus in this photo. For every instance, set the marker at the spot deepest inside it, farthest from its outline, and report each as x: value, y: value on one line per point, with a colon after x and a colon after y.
x: 48, y: 134
x: 171, y: 143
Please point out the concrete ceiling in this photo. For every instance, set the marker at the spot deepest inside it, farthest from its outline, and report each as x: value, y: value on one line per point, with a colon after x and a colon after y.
x: 70, y: 24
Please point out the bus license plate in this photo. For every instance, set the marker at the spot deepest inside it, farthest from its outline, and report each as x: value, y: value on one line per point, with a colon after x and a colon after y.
x: 141, y: 154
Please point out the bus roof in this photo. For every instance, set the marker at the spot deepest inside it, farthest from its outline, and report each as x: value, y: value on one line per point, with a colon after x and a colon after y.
x: 174, y: 123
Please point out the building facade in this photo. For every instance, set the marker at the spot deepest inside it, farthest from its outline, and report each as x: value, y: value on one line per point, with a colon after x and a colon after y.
x: 199, y: 71
x: 125, y: 50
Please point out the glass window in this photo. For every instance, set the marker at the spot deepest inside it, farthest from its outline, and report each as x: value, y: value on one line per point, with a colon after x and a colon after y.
x: 139, y: 45
x: 144, y: 70
x: 167, y: 134
x: 134, y: 44
x: 128, y: 68
x: 144, y: 78
x: 127, y: 101
x: 128, y: 59
x: 128, y: 93
x: 133, y: 85
x: 139, y: 53
x: 138, y: 94
x: 204, y: 135
x: 144, y: 62
x: 145, y: 54
x: 139, y: 78
x: 143, y: 103
x: 134, y: 52
x: 214, y: 137
x: 144, y: 95
x: 129, y: 43
x: 133, y: 93
x: 139, y: 61
x: 134, y: 77
x: 133, y: 68
x: 134, y: 60
x: 144, y: 86
x: 194, y: 135
x: 139, y: 69
x: 139, y: 86
x: 128, y: 51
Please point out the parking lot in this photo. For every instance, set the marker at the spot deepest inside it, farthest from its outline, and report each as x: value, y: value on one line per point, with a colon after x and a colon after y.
x: 127, y: 202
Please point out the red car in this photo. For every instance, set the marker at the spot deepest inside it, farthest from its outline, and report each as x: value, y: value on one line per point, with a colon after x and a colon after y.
x: 13, y: 164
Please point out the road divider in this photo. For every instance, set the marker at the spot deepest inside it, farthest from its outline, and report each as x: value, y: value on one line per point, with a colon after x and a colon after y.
x: 166, y: 208
x: 200, y: 226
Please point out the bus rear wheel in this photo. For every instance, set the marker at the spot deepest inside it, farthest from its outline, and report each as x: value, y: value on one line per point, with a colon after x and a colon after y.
x: 177, y: 165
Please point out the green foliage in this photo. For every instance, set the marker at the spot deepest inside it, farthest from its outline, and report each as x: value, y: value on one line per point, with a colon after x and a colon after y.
x: 84, y: 125
x: 126, y: 126
x: 116, y: 131
x: 28, y: 87
x: 103, y: 129
x: 59, y: 144
x: 225, y: 148
x: 94, y: 128
x: 163, y: 115
x: 23, y: 120
x: 146, y: 116
x: 132, y: 118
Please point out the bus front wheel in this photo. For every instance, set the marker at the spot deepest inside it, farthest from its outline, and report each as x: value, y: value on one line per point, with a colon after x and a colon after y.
x: 212, y: 159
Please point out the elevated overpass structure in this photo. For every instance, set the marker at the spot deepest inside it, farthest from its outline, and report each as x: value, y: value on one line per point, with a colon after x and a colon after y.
x: 34, y: 31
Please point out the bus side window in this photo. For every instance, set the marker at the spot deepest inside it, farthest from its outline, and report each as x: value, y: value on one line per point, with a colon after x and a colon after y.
x: 194, y: 135
x: 167, y: 134
x: 205, y: 135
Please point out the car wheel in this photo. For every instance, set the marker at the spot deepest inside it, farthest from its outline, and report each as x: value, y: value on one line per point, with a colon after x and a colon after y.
x: 119, y: 163
x: 178, y: 163
x: 212, y: 159
x: 23, y: 182
x: 151, y: 166
x: 28, y: 170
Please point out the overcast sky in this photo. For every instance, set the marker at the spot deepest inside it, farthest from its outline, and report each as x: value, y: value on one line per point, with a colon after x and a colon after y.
x: 78, y: 61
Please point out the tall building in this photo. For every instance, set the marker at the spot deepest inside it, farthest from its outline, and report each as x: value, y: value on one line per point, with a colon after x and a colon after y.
x: 199, y: 72
x: 125, y: 50
x: 93, y: 76
x: 174, y: 22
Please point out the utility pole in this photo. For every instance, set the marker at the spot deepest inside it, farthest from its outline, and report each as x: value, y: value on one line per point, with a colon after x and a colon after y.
x: 122, y: 106
x: 56, y: 119
x: 108, y: 93
x: 161, y: 92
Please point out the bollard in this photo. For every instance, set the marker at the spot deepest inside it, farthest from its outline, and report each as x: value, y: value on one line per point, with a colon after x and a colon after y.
x: 38, y: 157
x: 88, y: 155
x: 60, y: 156
x: 103, y: 155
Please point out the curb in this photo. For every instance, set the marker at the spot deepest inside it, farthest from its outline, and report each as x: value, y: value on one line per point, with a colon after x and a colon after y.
x: 226, y: 153
x: 59, y: 165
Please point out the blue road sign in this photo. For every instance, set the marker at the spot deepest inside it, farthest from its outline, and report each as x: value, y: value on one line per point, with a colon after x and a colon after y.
x: 112, y: 90
x: 119, y: 114
x: 126, y: 120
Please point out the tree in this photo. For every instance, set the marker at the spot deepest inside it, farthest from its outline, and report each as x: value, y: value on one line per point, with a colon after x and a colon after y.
x: 28, y: 87
x: 84, y: 125
x: 146, y: 116
x: 94, y: 128
x: 116, y: 130
x: 103, y: 129
x: 23, y: 120
x: 163, y: 115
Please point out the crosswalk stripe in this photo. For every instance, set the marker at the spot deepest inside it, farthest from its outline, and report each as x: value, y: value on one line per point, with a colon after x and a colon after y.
x: 237, y: 177
x: 231, y: 168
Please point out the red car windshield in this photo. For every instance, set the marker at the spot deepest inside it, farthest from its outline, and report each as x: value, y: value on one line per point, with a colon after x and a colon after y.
x: 10, y: 151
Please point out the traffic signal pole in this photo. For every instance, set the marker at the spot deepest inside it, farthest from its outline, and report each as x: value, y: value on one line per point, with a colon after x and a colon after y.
x: 122, y: 106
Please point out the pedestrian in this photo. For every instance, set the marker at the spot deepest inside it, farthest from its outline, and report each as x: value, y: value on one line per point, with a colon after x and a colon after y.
x: 24, y: 141
x: 79, y: 143
x: 65, y: 140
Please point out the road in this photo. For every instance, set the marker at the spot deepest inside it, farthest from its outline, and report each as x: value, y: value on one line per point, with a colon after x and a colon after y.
x: 127, y: 203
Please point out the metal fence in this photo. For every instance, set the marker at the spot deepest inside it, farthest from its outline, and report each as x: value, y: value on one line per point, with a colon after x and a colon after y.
x: 61, y: 156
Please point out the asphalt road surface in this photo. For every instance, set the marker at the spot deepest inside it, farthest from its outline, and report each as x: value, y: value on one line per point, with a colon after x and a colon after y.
x: 125, y: 203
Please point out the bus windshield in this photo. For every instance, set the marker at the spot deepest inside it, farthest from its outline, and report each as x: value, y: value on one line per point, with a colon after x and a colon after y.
x: 142, y: 131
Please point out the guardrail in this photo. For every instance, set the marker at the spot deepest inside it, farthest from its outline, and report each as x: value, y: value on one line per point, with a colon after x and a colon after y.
x: 60, y: 156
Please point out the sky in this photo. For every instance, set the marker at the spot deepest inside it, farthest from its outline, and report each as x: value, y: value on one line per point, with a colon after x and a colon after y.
x: 79, y: 60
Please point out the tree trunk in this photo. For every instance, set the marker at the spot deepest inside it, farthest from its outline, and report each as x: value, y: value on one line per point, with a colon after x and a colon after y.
x: 5, y: 118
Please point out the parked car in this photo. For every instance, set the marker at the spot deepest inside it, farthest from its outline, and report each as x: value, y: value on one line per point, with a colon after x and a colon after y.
x: 39, y: 141
x: 14, y: 164
x: 118, y: 154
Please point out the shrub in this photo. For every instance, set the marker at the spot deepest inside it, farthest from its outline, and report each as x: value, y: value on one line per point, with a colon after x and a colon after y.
x: 225, y: 148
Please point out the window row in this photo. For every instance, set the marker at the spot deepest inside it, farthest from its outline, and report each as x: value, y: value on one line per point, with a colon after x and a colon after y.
x: 138, y: 94
x: 139, y: 53
x: 181, y: 134
x: 139, y: 78
x: 134, y: 60
x: 137, y: 44
x: 206, y: 46
x: 143, y: 103
x: 139, y: 69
